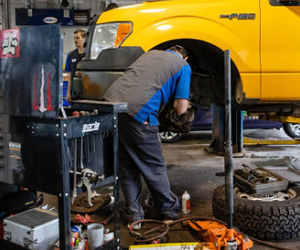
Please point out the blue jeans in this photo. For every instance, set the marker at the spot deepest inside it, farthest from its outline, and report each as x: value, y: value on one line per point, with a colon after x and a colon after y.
x: 141, y: 155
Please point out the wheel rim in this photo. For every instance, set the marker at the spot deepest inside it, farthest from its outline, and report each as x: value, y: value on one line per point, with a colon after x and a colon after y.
x: 168, y: 135
x: 275, y: 196
x: 295, y: 127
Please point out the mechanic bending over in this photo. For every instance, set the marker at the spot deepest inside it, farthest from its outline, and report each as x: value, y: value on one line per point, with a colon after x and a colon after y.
x: 147, y: 85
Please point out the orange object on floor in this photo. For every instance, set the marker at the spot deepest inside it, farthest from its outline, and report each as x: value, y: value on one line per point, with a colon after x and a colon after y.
x: 83, y: 219
x: 214, y: 235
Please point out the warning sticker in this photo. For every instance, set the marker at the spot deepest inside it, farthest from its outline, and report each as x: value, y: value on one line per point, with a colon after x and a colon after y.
x: 10, y: 43
x: 15, y: 150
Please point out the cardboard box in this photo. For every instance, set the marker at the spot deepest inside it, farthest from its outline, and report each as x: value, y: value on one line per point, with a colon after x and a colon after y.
x: 35, y: 229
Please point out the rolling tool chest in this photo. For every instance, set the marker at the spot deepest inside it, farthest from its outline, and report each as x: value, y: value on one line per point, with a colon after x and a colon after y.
x: 51, y: 150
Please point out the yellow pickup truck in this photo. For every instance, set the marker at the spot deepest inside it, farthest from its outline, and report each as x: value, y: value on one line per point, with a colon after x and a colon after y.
x: 261, y: 35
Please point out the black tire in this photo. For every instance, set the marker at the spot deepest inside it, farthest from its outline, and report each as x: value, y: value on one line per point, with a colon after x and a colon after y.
x: 292, y: 129
x: 168, y: 136
x: 277, y: 220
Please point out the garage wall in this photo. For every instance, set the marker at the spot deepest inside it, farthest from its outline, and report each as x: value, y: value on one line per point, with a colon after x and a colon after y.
x: 96, y: 7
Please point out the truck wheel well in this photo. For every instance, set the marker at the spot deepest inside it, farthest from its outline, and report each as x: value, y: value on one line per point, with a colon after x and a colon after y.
x: 207, y: 63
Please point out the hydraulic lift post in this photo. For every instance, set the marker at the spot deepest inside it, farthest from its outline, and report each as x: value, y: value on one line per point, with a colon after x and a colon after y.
x: 214, y: 235
x: 228, y: 143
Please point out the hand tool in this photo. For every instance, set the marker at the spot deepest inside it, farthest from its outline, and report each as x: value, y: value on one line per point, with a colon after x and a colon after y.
x: 108, y: 219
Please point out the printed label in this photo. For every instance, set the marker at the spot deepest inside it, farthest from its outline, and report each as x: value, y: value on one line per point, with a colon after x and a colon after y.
x: 91, y: 127
x: 10, y: 43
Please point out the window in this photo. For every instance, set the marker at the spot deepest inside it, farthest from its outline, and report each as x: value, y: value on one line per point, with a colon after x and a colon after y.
x: 284, y: 2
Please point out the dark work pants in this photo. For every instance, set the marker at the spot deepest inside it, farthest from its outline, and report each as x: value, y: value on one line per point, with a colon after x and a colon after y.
x: 141, y: 155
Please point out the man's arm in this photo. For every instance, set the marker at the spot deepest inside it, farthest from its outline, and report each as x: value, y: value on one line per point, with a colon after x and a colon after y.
x: 181, y: 105
x: 69, y: 96
x: 68, y: 71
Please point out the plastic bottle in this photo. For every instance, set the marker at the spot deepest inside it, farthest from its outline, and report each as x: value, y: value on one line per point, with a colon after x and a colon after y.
x: 186, y: 203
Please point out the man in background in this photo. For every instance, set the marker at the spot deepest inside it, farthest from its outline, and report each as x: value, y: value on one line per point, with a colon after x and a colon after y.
x: 73, y: 58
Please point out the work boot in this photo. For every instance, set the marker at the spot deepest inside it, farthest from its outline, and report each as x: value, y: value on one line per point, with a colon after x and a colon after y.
x: 136, y: 226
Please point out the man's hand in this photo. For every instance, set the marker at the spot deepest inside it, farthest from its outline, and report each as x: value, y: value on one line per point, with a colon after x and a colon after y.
x: 69, y: 98
x: 178, y: 122
x: 181, y: 106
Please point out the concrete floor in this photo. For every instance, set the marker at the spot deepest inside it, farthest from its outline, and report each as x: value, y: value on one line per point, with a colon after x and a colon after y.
x: 191, y: 168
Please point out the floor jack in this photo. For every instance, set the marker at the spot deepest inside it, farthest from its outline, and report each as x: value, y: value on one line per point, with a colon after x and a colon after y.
x: 214, y: 235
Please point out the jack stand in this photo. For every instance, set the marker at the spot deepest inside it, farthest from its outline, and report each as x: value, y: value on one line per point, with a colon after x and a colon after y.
x: 214, y: 235
x: 218, y: 132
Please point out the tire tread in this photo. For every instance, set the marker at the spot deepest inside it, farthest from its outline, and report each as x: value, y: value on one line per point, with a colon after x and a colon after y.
x: 260, y: 219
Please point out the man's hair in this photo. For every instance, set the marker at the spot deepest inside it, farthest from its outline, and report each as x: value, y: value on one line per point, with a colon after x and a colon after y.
x: 111, y: 6
x: 81, y: 32
x: 182, y: 51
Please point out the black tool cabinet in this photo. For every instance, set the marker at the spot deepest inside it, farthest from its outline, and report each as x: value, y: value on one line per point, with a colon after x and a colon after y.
x: 41, y: 152
x: 45, y: 157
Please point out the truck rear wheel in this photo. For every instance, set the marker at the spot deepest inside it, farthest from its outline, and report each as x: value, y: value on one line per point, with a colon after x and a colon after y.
x: 262, y: 219
x: 168, y: 136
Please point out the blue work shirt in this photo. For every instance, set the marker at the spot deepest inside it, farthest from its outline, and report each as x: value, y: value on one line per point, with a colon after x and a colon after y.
x: 150, y: 82
x: 73, y: 58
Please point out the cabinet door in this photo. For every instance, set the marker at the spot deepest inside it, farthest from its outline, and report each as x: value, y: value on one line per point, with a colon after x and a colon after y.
x: 280, y: 50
